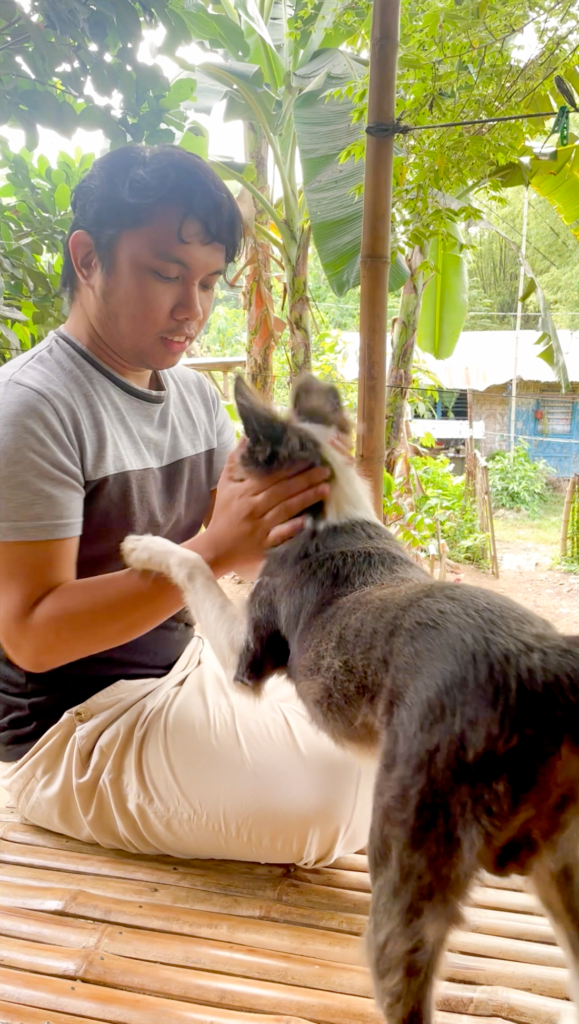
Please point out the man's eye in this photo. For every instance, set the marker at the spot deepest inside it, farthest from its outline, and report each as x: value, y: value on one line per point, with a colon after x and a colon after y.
x: 163, y: 277
x: 208, y: 287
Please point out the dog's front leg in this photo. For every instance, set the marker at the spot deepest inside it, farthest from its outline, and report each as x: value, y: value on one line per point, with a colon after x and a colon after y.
x: 221, y: 622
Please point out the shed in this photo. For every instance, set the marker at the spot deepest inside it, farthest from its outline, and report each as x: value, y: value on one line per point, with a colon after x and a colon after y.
x: 546, y: 419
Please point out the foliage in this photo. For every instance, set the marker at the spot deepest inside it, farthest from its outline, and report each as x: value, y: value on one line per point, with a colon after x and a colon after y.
x: 494, y: 265
x: 280, y: 69
x: 438, y: 499
x: 517, y: 482
x: 457, y: 62
x: 34, y: 219
x: 51, y: 50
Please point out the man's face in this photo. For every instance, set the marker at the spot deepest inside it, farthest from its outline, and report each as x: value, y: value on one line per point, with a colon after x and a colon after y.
x: 155, y: 296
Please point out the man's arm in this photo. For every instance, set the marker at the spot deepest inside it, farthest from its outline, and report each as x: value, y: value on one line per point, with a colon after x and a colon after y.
x: 49, y: 618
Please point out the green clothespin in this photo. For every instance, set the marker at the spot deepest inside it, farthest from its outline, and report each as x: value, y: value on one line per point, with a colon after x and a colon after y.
x: 561, y: 125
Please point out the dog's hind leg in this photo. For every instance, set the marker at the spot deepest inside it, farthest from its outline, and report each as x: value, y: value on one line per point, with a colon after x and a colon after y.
x: 420, y: 875
x: 221, y: 622
x: 555, y: 878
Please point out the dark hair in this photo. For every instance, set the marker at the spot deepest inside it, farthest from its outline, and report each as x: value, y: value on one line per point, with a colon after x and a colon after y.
x: 125, y: 188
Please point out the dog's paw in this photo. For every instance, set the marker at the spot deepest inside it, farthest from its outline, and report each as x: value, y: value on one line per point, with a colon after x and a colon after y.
x: 149, y: 553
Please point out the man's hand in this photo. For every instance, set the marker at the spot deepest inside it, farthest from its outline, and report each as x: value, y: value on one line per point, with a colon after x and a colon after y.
x: 254, y: 513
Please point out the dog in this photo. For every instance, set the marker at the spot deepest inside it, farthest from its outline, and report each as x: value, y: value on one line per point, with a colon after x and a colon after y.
x: 468, y: 703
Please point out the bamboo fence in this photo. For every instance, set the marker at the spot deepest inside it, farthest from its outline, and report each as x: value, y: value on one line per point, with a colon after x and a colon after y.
x: 88, y: 934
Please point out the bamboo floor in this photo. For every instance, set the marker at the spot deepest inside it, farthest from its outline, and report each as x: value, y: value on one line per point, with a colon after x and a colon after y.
x: 91, y: 935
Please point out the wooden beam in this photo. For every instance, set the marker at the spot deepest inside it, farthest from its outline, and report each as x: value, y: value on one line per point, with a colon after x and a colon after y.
x: 375, y: 254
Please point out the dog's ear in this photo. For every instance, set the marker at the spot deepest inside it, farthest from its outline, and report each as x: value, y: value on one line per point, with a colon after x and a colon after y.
x: 260, y: 422
x: 317, y: 401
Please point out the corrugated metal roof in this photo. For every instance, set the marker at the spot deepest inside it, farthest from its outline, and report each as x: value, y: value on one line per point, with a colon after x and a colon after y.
x: 484, y: 358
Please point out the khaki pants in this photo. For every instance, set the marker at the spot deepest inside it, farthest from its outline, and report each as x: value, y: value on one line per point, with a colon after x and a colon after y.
x: 193, y: 766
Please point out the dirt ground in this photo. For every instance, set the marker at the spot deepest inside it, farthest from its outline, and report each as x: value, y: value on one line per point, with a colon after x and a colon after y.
x: 553, y: 595
x: 548, y: 592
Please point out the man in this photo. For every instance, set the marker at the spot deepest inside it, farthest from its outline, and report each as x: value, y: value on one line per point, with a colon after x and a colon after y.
x: 117, y: 719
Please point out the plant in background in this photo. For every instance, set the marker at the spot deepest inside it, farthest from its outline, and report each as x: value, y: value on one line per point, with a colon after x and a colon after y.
x: 35, y: 216
x: 431, y: 497
x: 517, y: 482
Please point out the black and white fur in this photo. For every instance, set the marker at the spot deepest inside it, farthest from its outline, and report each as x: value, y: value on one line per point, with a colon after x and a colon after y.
x: 469, y: 703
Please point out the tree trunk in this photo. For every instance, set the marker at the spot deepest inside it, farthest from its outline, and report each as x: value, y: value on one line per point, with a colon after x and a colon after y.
x: 400, y: 371
x: 299, y: 309
x: 257, y: 294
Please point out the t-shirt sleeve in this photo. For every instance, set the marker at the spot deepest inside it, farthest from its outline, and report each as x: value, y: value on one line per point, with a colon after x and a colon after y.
x: 225, y: 435
x: 41, y: 479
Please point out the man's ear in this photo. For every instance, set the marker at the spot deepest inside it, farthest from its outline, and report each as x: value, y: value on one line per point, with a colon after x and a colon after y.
x: 260, y: 422
x: 84, y: 257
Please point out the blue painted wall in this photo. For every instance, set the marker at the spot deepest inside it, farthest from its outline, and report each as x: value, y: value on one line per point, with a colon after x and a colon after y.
x: 561, y: 453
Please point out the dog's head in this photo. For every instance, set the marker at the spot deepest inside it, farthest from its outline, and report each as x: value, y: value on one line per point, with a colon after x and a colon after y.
x: 278, y: 441
x: 275, y: 441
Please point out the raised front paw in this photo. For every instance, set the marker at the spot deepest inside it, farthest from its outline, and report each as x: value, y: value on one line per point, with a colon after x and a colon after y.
x: 149, y: 553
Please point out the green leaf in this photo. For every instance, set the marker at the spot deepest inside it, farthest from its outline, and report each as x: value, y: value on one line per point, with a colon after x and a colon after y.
x: 323, y: 129
x: 62, y: 196
x: 444, y: 300
x: 181, y: 90
x: 196, y: 140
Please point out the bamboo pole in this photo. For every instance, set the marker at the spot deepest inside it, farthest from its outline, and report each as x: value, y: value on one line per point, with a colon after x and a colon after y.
x: 518, y: 322
x: 375, y: 252
x: 569, y: 496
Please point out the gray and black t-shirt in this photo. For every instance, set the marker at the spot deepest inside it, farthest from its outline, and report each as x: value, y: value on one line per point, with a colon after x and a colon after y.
x: 84, y: 453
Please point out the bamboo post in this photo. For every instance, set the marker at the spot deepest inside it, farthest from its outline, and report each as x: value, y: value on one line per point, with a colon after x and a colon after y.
x: 490, y: 521
x: 375, y: 253
x: 569, y: 496
x: 518, y: 322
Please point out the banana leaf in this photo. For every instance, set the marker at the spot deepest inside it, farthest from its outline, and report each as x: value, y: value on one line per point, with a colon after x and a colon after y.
x: 445, y: 297
x: 323, y: 129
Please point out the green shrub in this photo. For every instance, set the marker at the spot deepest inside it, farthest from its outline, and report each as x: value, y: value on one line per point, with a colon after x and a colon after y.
x: 517, y: 482
x: 444, y: 502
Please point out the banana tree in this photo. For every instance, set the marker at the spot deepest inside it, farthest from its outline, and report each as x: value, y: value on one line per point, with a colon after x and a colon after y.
x: 431, y: 315
x: 280, y: 69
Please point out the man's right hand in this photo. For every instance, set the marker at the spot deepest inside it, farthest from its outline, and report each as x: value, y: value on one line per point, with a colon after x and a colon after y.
x: 253, y: 513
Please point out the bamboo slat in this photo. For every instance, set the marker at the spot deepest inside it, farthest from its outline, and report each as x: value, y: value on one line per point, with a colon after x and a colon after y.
x: 177, y: 896
x: 504, y: 899
x: 548, y: 975
x: 334, y: 878
x: 113, y: 1006
x: 528, y: 927
x: 12, y: 1014
x: 160, y: 980
x: 93, y: 935
x: 184, y: 951
x: 506, y: 948
x: 17, y: 831
x: 281, y: 890
x: 353, y: 862
x: 499, y: 1001
x: 478, y: 970
x: 283, y: 938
